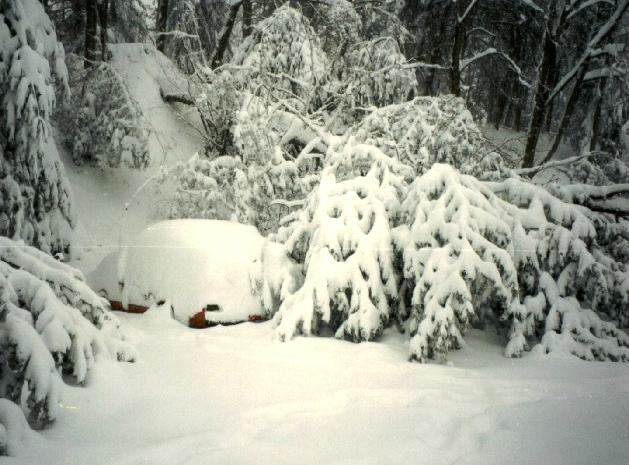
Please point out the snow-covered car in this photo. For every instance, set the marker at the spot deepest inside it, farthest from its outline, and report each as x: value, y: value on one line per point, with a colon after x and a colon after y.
x: 202, y: 268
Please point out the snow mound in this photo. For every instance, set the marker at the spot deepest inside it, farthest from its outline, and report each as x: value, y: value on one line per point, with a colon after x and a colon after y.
x: 189, y: 263
x: 14, y: 428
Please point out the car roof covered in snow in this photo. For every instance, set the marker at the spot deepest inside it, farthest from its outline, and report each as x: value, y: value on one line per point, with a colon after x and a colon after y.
x: 190, y: 263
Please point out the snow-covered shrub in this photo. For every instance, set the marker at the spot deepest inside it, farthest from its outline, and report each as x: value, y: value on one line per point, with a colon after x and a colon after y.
x: 283, y: 59
x: 229, y: 189
x: 375, y: 75
x: 275, y: 277
x: 51, y: 323
x: 561, y: 252
x: 218, y: 106
x: 105, y: 127
x: 425, y: 131
x: 343, y: 239
x: 456, y: 251
x: 35, y: 196
x: 457, y: 254
x: 269, y: 168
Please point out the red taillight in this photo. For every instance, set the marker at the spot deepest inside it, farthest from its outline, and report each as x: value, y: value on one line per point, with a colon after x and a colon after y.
x: 198, y: 320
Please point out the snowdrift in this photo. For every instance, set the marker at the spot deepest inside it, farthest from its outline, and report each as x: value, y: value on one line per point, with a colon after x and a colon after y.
x: 190, y: 264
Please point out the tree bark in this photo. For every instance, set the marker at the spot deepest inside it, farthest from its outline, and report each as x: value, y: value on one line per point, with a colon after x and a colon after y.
x: 161, y: 24
x: 457, y: 49
x: 103, y: 15
x: 247, y: 13
x: 223, y: 41
x: 186, y: 99
x: 596, y: 120
x: 542, y: 91
x: 113, y: 10
x: 567, y: 114
x: 435, y: 57
x: 91, y: 26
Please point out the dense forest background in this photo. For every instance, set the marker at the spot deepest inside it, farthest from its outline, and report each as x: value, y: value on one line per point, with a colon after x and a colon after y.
x: 555, y: 66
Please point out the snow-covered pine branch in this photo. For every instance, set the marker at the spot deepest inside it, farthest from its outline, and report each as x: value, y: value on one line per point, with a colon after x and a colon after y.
x: 343, y: 240
x: 35, y: 196
x: 511, y: 254
x: 457, y: 255
x: 51, y: 323
x: 425, y: 131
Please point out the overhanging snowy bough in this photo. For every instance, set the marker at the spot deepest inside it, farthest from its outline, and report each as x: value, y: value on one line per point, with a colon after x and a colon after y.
x: 449, y: 251
x: 51, y: 323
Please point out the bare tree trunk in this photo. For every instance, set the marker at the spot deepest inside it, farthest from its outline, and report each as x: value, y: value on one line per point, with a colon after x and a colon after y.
x: 542, y: 91
x: 567, y: 114
x: 91, y: 26
x: 457, y: 50
x: 161, y: 24
x: 247, y: 13
x: 103, y: 14
x: 223, y: 41
x: 434, y: 58
x: 113, y: 10
x: 551, y: 104
x: 596, y: 118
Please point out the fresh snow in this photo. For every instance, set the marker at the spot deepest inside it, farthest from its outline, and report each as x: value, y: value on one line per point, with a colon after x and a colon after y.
x: 234, y: 395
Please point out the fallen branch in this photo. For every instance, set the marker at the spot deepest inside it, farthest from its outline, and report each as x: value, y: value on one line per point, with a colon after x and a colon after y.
x: 553, y: 164
x: 186, y: 99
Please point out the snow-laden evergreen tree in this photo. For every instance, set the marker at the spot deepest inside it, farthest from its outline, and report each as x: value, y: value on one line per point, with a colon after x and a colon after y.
x: 105, y: 127
x: 51, y: 323
x: 35, y: 196
x: 456, y: 251
x: 511, y: 254
x: 425, y: 131
x: 375, y: 75
x: 457, y: 254
x: 343, y: 239
x: 283, y: 59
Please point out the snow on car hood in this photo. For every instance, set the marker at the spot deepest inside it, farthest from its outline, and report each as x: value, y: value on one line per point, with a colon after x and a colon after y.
x: 189, y: 263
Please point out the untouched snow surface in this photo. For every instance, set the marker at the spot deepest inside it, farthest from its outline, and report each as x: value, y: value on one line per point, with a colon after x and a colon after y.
x: 233, y: 395
x: 189, y: 263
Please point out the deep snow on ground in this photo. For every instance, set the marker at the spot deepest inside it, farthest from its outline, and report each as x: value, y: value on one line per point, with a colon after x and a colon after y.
x: 234, y: 395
